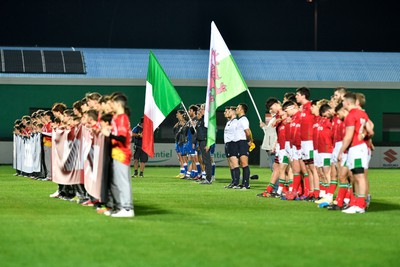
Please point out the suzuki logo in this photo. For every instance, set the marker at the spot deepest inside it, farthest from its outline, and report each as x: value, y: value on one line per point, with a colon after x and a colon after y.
x: 390, y: 155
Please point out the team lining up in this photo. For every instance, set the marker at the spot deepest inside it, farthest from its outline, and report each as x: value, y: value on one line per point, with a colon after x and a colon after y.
x: 319, y: 145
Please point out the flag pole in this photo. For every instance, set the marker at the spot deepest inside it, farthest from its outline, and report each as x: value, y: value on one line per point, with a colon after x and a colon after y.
x: 254, y: 104
x: 190, y: 119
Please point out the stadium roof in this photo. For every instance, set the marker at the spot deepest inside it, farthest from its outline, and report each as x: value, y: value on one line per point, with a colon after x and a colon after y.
x: 259, y: 68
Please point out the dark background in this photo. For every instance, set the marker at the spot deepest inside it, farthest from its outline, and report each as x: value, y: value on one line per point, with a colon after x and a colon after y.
x: 343, y: 25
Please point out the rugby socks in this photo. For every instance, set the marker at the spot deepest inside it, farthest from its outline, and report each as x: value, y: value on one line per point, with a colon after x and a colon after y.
x: 246, y: 176
x: 316, y: 192
x: 198, y: 167
x: 296, y: 181
x: 213, y: 169
x: 270, y: 187
x: 306, y: 179
x: 233, y: 176
x: 352, y: 197
x: 281, y: 185
x: 322, y: 191
x: 332, y: 187
x: 360, y: 201
x: 185, y: 166
x: 236, y: 176
x: 290, y: 185
x: 183, y: 170
x: 341, y: 194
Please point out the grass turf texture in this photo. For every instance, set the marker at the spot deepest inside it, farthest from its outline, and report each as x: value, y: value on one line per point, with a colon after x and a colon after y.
x: 181, y: 223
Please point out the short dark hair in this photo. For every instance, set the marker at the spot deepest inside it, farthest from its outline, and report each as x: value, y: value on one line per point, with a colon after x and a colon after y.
x: 323, y: 109
x: 338, y: 107
x: 93, y: 96
x: 288, y: 104
x: 68, y: 112
x: 78, y: 106
x: 104, y: 99
x: 59, y: 107
x: 270, y: 101
x: 350, y: 96
x: 244, y: 107
x: 107, y: 117
x: 195, y: 108
x: 304, y: 91
x: 92, y: 113
x: 289, y: 95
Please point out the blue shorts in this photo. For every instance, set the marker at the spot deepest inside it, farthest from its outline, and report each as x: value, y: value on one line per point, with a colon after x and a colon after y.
x: 212, y: 150
x: 188, y: 149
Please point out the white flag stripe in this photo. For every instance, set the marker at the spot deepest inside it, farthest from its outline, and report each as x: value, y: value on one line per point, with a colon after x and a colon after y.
x: 151, y: 109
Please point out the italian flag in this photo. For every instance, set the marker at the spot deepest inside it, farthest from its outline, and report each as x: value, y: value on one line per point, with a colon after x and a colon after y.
x: 161, y: 99
x: 224, y: 81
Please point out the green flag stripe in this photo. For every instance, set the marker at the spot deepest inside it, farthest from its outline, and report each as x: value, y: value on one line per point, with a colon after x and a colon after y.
x: 164, y: 93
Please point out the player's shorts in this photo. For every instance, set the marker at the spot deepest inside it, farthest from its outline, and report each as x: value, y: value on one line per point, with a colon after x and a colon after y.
x: 288, y: 149
x: 335, y: 153
x: 283, y: 157
x: 343, y: 163
x: 369, y: 155
x: 358, y: 157
x: 212, y: 150
x: 325, y: 159
x: 307, y: 150
x: 189, y: 149
x: 179, y: 149
x: 317, y: 159
x: 277, y: 147
x: 243, y: 148
x: 231, y: 149
x: 140, y: 155
x: 296, y: 153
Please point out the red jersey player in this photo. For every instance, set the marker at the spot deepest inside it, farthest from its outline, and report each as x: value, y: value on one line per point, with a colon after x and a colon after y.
x: 357, y: 159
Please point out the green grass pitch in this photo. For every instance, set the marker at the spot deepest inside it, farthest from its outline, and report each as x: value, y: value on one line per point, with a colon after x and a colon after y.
x: 181, y: 223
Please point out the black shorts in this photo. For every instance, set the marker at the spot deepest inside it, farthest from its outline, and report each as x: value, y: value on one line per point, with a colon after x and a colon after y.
x: 140, y: 155
x: 243, y: 148
x: 231, y: 149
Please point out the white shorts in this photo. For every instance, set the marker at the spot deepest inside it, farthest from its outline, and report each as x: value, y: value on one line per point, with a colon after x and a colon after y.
x: 288, y: 149
x: 335, y: 153
x: 343, y: 163
x: 317, y: 159
x: 307, y: 150
x: 358, y: 157
x: 325, y: 159
x: 296, y: 153
x: 369, y: 155
x: 283, y: 157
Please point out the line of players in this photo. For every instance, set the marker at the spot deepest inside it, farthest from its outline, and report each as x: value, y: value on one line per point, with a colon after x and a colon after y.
x: 322, y: 144
x: 187, y: 148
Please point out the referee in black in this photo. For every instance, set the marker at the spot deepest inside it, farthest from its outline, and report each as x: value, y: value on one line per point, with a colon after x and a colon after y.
x: 139, y: 154
x: 201, y: 137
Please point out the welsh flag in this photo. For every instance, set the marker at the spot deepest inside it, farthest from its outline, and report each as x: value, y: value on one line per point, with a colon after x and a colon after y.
x: 161, y: 99
x: 224, y: 81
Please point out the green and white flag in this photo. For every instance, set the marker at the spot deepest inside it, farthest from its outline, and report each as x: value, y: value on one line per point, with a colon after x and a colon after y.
x: 224, y: 81
x: 161, y: 99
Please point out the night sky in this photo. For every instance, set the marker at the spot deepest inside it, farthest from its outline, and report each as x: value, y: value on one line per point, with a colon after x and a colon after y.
x: 343, y: 25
